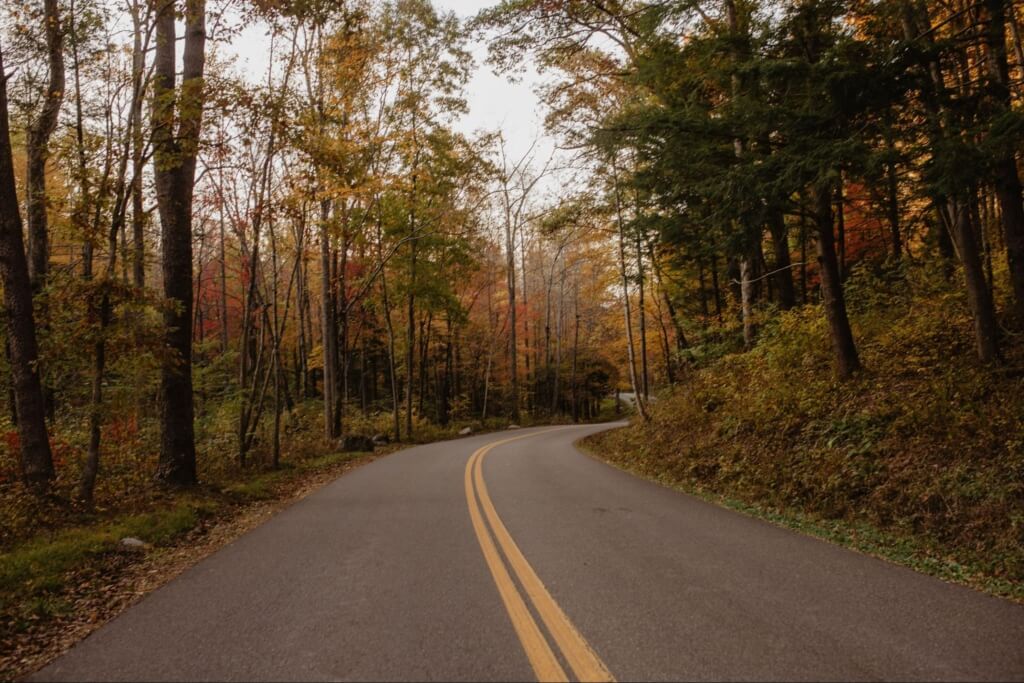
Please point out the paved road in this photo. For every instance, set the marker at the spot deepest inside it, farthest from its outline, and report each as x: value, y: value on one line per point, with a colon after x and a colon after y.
x: 560, y: 566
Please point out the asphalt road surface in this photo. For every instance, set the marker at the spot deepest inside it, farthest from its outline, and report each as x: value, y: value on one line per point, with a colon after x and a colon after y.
x: 527, y: 560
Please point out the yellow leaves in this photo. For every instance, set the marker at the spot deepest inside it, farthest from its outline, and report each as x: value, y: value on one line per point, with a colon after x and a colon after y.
x: 316, y: 358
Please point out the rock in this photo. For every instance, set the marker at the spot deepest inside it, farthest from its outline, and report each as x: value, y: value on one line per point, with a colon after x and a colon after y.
x: 133, y: 544
x: 356, y: 443
x: 513, y: 426
x: 465, y: 431
x: 380, y: 440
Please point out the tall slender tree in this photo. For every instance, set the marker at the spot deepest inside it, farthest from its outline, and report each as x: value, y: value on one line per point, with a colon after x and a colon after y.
x: 34, y: 443
x: 37, y: 148
x: 177, y: 115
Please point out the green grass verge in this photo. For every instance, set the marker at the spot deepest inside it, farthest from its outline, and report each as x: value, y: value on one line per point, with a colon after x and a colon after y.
x: 40, y: 566
x: 33, y: 573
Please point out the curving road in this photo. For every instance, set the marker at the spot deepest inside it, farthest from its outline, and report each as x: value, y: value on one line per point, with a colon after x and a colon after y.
x: 516, y: 557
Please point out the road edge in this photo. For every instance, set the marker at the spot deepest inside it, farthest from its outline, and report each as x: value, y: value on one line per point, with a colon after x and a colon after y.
x: 863, y: 539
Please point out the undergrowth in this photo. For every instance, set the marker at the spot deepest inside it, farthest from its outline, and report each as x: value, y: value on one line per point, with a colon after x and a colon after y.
x: 34, y: 574
x: 919, y: 458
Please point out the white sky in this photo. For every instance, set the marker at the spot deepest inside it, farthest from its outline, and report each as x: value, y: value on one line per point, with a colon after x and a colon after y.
x: 494, y: 101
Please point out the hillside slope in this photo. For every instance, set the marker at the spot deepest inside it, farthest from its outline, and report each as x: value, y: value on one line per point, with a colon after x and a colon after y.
x: 920, y: 458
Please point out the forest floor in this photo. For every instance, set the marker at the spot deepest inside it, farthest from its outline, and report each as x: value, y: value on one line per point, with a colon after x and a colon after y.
x: 64, y: 571
x: 61, y: 586
x: 919, y: 459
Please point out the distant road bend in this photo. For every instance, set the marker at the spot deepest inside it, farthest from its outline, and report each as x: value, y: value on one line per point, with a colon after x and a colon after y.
x: 516, y: 557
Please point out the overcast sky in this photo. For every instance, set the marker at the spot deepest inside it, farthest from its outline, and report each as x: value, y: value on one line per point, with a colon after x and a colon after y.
x: 494, y: 102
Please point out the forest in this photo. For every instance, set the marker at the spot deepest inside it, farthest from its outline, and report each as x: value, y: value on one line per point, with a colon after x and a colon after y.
x: 792, y: 232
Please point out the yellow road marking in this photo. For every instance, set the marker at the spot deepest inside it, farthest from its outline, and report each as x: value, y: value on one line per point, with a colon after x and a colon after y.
x: 581, y: 657
x: 542, y: 659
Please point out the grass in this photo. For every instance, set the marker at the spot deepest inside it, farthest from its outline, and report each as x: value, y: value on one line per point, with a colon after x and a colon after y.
x: 919, y: 459
x: 35, y: 574
x: 40, y: 566
x: 265, y: 485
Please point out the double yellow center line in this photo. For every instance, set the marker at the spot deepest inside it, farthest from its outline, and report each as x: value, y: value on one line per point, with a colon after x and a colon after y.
x: 585, y: 664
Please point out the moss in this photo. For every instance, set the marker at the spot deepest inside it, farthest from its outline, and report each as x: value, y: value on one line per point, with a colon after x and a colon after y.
x: 40, y: 566
x: 34, y: 573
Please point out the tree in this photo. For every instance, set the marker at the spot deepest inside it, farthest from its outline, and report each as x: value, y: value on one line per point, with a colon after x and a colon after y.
x: 949, y: 179
x: 38, y: 147
x: 516, y: 181
x: 34, y: 444
x: 1004, y: 164
x: 176, y: 121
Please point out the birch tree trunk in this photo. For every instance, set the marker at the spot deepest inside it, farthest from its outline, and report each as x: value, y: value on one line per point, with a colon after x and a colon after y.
x: 641, y: 404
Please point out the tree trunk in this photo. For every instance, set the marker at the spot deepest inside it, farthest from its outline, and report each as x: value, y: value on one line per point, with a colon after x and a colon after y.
x: 1018, y: 35
x: 487, y: 377
x: 328, y: 327
x: 392, y: 370
x: 301, y: 297
x: 87, y: 481
x: 555, y: 388
x: 892, y: 208
x: 747, y: 301
x: 424, y: 346
x: 37, y: 149
x: 803, y: 256
x: 385, y: 300
x: 175, y: 151
x: 847, y: 361
x: 34, y: 443
x: 626, y: 312
x: 410, y: 351
x: 783, y: 265
x: 841, y: 229
x: 953, y: 210
x: 677, y: 327
x: 979, y: 298
x: 666, y: 349
x: 443, y: 398
x: 1007, y: 180
x: 575, y: 348
x: 642, y: 318
x: 510, y: 258
x: 545, y: 383
x: 275, y: 460
x: 224, y: 332
x: 341, y: 316
x: 532, y: 373
x: 138, y: 216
